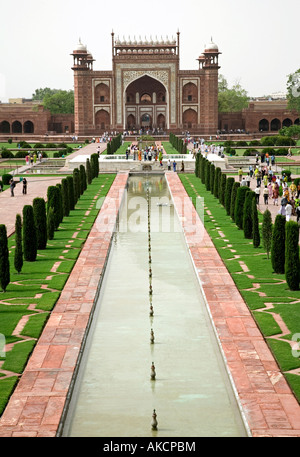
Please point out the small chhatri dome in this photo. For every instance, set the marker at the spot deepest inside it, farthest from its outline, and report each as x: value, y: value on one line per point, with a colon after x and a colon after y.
x: 80, y: 46
x: 211, y: 47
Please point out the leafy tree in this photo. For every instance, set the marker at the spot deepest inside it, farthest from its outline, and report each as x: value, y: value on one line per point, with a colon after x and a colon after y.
x: 292, y: 264
x: 4, y: 259
x: 278, y: 244
x: 61, y: 102
x: 29, y: 234
x: 293, y: 131
x: 40, y: 94
x: 293, y: 91
x: 40, y: 219
x: 230, y: 100
x: 267, y: 228
x: 18, y: 255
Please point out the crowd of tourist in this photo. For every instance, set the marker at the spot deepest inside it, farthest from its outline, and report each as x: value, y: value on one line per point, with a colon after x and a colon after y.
x: 273, y: 187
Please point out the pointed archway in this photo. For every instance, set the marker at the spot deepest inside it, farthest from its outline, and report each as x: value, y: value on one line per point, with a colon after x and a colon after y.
x: 145, y: 99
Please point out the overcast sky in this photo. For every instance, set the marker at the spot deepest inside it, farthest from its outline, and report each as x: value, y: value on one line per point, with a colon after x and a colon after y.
x: 259, y: 39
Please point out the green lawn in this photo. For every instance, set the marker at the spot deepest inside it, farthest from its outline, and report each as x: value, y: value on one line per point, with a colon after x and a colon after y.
x: 28, y: 287
x: 272, y: 288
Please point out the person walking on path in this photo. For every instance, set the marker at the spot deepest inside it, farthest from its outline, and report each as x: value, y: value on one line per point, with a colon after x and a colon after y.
x: 266, y: 195
x: 12, y: 187
x: 288, y: 211
x: 257, y: 193
x: 24, y: 186
x: 275, y: 193
x: 240, y: 173
x: 174, y: 165
x: 169, y: 164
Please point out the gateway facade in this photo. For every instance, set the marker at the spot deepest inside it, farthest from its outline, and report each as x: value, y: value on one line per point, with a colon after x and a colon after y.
x: 145, y: 89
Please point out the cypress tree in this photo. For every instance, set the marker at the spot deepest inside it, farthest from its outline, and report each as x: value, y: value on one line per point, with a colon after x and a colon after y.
x: 278, y: 244
x: 95, y: 165
x: 235, y: 187
x: 40, y: 220
x: 71, y: 192
x: 292, y: 264
x: 82, y: 179
x: 255, y: 226
x: 222, y: 189
x: 207, y: 175
x: 89, y: 172
x: 239, y: 206
x: 18, y: 255
x: 65, y: 197
x: 4, y: 259
x: 267, y: 227
x: 50, y: 223
x: 228, y: 190
x: 212, y: 177
x: 247, y: 214
x: 203, y: 170
x: 76, y: 185
x: 217, y: 181
x: 53, y: 201
x: 29, y: 234
x: 60, y: 203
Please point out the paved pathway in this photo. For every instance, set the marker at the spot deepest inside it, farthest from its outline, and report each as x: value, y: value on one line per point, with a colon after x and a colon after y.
x: 10, y: 206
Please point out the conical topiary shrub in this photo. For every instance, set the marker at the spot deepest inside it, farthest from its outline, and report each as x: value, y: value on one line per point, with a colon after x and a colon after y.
x: 4, y: 259
x: 18, y: 254
x: 267, y: 228
x: 29, y: 234
x: 40, y: 219
x: 239, y: 206
x: 71, y: 192
x: 247, y: 215
x: 292, y: 264
x: 235, y: 187
x: 255, y: 225
x: 222, y: 188
x: 228, y: 190
x: 278, y: 244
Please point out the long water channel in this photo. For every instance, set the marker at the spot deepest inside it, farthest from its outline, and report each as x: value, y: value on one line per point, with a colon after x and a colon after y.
x: 114, y: 394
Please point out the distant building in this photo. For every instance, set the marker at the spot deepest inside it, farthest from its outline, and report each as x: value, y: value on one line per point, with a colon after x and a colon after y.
x: 266, y: 116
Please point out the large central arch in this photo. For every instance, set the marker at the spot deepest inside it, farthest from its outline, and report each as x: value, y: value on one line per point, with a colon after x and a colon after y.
x: 146, y: 94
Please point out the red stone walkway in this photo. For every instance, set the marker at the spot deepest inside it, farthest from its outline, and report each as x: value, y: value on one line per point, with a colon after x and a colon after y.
x: 10, y: 206
x: 37, y: 404
x: 269, y: 406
